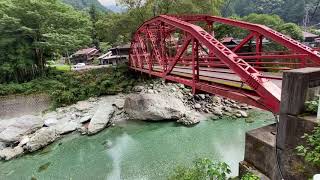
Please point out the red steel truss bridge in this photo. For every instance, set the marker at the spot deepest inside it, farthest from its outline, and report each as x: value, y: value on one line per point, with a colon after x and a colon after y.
x: 184, y: 49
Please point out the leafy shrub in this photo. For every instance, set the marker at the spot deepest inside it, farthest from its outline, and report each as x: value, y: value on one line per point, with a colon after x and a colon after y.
x: 311, y: 152
x: 69, y: 87
x: 312, y: 106
x: 250, y: 176
x: 202, y: 169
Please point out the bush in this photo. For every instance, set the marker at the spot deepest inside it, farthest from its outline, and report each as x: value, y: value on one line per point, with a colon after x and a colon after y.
x: 311, y: 151
x: 202, y: 169
x: 69, y: 87
x: 250, y: 176
x: 312, y: 106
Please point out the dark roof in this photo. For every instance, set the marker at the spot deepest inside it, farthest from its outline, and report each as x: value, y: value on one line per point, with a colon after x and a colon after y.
x: 125, y: 46
x: 86, y: 51
x: 309, y: 35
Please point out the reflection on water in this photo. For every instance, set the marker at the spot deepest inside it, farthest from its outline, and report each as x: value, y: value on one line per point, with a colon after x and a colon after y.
x: 136, y: 151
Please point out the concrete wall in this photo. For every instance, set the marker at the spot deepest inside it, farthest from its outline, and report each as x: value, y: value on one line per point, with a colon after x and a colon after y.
x: 19, y: 105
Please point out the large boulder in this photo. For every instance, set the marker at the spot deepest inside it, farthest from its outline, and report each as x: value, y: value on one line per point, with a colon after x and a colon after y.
x: 21, y: 126
x: 9, y: 153
x: 66, y: 127
x: 102, y: 115
x: 154, y: 107
x: 41, y: 138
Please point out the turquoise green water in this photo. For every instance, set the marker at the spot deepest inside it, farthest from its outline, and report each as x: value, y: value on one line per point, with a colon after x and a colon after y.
x: 139, y: 151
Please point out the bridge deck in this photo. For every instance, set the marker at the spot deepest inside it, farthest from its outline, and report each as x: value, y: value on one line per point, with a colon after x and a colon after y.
x: 221, y: 76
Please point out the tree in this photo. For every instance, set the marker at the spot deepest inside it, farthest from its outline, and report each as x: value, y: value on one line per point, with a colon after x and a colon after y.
x: 33, y: 31
x: 94, y: 18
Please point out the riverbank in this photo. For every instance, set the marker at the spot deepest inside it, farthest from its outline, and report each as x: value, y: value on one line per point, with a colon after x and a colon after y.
x: 155, y: 101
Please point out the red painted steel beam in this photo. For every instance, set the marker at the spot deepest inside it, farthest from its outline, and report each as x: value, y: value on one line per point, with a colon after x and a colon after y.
x: 263, y: 30
x: 268, y: 92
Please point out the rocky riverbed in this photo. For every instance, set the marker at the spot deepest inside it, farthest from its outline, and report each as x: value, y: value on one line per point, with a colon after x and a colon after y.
x: 155, y: 101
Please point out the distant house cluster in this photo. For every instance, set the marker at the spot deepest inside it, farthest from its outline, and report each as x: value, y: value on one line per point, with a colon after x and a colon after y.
x: 115, y: 56
x: 311, y: 40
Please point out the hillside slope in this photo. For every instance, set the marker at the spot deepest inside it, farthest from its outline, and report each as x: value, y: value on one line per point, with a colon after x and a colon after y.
x: 85, y: 4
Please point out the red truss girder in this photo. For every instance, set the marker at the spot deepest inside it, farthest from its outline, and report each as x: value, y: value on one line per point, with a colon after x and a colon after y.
x: 148, y: 55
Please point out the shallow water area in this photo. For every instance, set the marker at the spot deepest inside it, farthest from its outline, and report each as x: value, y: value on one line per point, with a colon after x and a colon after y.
x: 137, y: 150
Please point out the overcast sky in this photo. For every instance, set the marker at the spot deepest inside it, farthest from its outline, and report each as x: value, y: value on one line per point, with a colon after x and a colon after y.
x: 108, y: 2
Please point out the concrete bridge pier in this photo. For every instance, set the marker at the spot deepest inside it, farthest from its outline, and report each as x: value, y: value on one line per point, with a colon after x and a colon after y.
x: 273, y: 156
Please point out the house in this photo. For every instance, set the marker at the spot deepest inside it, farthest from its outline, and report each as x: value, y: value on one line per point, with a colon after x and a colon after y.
x: 84, y: 56
x: 116, y: 55
x: 309, y: 37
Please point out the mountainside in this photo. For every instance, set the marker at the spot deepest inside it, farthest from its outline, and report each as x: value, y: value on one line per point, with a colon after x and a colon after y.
x: 85, y: 4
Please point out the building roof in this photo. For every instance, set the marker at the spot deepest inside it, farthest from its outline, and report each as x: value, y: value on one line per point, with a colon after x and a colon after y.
x: 86, y: 51
x: 227, y: 40
x: 309, y: 35
x: 125, y: 46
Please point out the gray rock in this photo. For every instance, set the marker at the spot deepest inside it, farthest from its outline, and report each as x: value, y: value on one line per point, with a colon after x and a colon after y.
x: 50, y: 122
x: 154, y: 107
x: 150, y: 91
x: 22, y: 126
x: 66, y: 127
x: 83, y: 105
x: 173, y: 89
x: 138, y: 88
x: 238, y: 115
x: 102, y: 116
x: 217, y: 111
x: 243, y: 113
x: 24, y: 141
x: 119, y: 102
x: 197, y: 106
x: 190, y: 118
x: 42, y: 138
x: 85, y: 119
x: 2, y: 145
x: 10, y: 153
x: 228, y: 109
x: 202, y: 96
x: 216, y: 99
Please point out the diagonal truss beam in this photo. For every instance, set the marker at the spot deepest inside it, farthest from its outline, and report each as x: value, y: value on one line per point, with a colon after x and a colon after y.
x: 178, y: 56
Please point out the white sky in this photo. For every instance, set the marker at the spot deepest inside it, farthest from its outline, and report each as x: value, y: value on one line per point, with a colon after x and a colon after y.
x: 107, y: 2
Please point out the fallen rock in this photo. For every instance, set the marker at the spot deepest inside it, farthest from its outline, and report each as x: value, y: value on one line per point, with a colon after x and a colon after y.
x: 24, y: 141
x: 42, y: 138
x: 66, y: 127
x: 2, y: 145
x: 216, y: 99
x: 153, y: 107
x: 9, y: 153
x: 83, y: 105
x: 217, y: 111
x: 102, y: 116
x: 190, y: 118
x: 85, y: 119
x: 197, y: 106
x: 138, y: 88
x: 50, y: 122
x: 242, y: 113
x: 202, y: 96
x: 22, y: 126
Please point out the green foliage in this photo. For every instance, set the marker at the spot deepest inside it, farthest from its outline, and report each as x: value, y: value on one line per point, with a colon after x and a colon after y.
x: 69, y: 87
x: 312, y: 106
x: 250, y: 176
x: 202, y: 169
x: 311, y: 151
x: 31, y: 32
x: 85, y: 4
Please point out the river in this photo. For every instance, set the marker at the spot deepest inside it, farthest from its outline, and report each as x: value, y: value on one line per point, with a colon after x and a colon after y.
x: 136, y: 151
